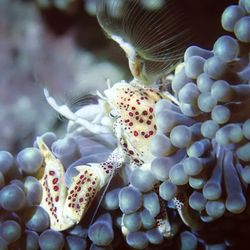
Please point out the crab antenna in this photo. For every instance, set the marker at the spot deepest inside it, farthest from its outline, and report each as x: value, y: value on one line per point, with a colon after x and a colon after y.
x: 108, y: 82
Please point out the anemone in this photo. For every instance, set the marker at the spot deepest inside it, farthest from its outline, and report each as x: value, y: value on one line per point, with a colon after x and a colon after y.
x: 173, y: 170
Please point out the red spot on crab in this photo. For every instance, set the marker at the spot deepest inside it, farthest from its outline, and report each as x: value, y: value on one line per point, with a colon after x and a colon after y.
x: 56, y: 188
x: 151, y: 132
x: 52, y: 172
x: 57, y: 198
x: 130, y: 114
x: 55, y: 180
x: 151, y: 110
x: 81, y: 200
x: 136, y: 133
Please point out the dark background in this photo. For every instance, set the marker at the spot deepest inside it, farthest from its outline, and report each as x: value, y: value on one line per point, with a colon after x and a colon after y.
x: 65, y: 50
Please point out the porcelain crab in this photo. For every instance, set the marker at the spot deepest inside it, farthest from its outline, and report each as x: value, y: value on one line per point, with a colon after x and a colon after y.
x: 132, y: 109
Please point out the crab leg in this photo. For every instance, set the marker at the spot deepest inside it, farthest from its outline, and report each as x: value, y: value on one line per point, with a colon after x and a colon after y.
x: 67, y: 113
x: 187, y: 215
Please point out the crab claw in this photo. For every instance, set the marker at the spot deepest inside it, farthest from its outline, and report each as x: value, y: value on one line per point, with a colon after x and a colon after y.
x: 54, y: 190
x: 82, y: 192
x: 66, y: 207
x: 90, y: 180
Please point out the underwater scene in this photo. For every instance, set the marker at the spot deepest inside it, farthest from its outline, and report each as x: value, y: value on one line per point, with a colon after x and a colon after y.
x: 125, y: 124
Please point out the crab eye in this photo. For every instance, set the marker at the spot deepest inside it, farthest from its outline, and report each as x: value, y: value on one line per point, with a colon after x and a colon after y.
x: 113, y: 113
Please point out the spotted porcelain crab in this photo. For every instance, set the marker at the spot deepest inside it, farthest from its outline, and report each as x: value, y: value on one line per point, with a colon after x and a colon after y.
x: 132, y: 106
